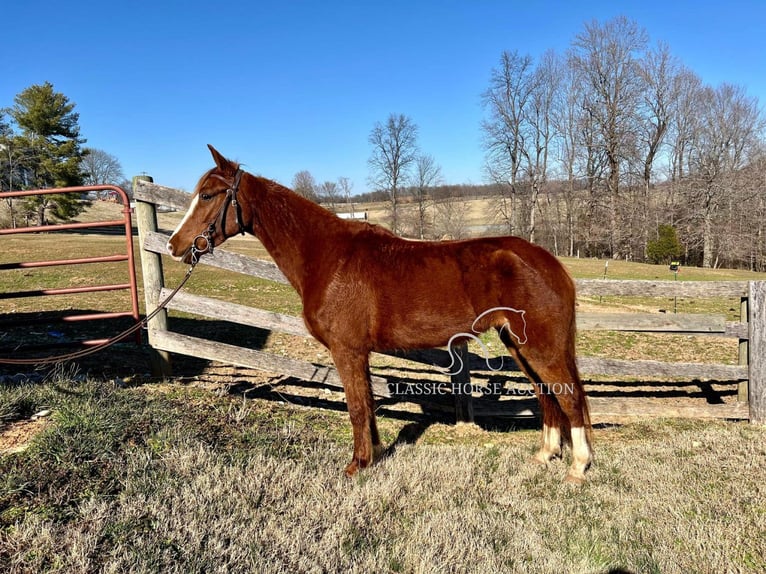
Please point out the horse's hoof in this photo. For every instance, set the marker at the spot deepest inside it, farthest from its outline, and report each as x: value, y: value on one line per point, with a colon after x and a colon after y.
x: 538, y: 460
x: 574, y: 479
x: 352, y: 468
x: 355, y: 466
x: 542, y: 457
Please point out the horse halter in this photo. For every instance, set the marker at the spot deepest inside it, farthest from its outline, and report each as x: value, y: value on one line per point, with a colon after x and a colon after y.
x: 220, y: 221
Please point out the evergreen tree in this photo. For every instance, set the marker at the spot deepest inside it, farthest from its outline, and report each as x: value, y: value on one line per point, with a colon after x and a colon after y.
x: 666, y: 247
x: 50, y: 131
x: 5, y: 128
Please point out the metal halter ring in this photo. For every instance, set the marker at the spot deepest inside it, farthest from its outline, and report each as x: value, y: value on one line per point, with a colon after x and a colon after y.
x: 196, y: 252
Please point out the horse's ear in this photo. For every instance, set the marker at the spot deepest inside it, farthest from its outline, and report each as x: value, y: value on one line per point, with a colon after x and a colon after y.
x: 223, y: 164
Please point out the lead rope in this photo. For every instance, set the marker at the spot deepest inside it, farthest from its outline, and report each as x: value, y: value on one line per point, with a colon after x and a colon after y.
x: 113, y: 340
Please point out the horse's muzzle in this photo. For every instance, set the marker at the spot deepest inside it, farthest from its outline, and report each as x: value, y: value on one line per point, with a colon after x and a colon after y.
x: 172, y: 250
x: 201, y: 245
x: 178, y: 254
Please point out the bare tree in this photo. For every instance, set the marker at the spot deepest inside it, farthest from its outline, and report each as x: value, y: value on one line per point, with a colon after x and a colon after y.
x: 101, y: 168
x: 345, y: 186
x: 752, y: 234
x: 726, y: 139
x: 305, y: 185
x: 427, y: 174
x: 683, y: 126
x: 450, y: 218
x: 611, y: 123
x: 539, y: 117
x: 394, y: 149
x: 518, y: 135
x: 14, y: 173
x: 658, y: 71
x: 510, y: 88
x: 330, y: 193
x: 688, y: 89
x: 606, y: 58
x: 581, y: 162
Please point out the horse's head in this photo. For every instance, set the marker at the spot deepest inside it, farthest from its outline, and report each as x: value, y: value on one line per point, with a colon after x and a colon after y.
x: 214, y: 214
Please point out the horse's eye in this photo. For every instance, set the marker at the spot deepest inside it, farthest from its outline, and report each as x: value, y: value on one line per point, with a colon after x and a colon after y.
x: 205, y: 196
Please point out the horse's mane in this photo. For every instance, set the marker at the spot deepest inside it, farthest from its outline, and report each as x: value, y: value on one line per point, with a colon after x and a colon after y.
x: 300, y: 206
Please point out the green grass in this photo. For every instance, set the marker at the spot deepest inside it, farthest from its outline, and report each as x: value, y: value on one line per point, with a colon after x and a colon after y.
x: 618, y: 269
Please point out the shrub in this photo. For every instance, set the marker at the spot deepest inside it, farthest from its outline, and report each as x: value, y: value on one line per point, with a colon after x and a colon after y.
x: 666, y: 247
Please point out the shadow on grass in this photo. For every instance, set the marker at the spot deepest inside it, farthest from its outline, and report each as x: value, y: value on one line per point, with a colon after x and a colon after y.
x: 44, y: 334
x: 493, y: 411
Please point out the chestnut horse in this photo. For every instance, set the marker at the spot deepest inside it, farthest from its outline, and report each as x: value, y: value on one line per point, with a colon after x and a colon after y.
x: 365, y: 289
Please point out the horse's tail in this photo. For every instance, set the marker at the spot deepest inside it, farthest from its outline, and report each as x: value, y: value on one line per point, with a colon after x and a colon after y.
x: 585, y: 408
x: 576, y: 371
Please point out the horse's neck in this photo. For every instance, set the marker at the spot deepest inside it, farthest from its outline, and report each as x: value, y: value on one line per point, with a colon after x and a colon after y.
x: 298, y: 234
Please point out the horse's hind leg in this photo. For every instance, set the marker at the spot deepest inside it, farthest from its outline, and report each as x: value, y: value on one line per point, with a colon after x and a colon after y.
x: 552, y: 417
x: 570, y: 396
x: 353, y: 368
x: 565, y: 415
x: 562, y: 400
x: 550, y: 447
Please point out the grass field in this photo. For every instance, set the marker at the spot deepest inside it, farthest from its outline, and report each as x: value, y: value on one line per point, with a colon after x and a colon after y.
x: 221, y: 470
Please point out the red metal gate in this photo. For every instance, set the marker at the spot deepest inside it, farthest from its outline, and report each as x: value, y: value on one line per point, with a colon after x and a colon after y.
x: 65, y: 316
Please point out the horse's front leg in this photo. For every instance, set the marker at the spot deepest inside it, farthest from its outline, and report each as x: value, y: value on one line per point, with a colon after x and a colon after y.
x: 354, y: 370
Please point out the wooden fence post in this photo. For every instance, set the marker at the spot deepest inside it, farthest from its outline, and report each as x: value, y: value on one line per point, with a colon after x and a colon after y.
x: 757, y: 364
x: 744, y: 354
x: 151, y: 266
x: 461, y: 385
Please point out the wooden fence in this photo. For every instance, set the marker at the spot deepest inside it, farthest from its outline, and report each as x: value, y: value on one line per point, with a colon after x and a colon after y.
x: 749, y: 375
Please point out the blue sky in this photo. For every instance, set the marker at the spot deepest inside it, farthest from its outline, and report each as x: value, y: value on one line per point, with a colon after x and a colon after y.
x: 289, y: 86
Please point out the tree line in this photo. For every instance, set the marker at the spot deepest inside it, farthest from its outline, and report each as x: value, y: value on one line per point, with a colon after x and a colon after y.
x: 41, y: 148
x: 597, y: 149
x: 612, y: 149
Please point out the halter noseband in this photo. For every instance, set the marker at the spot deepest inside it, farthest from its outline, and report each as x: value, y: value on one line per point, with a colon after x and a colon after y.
x: 220, y: 220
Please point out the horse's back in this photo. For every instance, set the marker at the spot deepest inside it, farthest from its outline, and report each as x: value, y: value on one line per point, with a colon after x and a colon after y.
x: 428, y: 291
x: 440, y: 267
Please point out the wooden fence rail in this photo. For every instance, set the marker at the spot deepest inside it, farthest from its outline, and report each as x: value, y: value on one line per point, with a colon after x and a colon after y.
x: 750, y: 331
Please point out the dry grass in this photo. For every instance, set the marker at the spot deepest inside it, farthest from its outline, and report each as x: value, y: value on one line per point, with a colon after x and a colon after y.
x: 179, y: 480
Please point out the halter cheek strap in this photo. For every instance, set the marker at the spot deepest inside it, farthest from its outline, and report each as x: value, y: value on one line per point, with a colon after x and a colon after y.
x: 220, y: 221
x: 231, y: 197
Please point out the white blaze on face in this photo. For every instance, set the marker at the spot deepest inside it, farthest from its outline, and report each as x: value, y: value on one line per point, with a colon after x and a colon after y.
x: 192, y: 207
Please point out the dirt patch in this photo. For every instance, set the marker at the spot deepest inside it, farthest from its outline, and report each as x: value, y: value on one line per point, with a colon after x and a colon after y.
x: 18, y: 435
